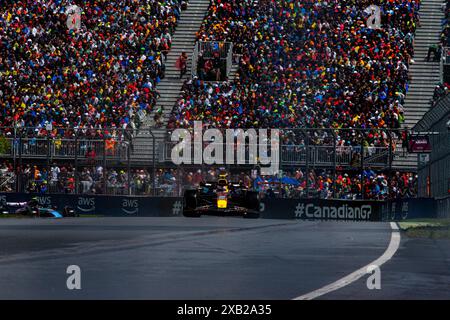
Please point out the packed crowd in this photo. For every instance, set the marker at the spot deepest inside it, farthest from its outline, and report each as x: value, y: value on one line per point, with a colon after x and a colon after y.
x: 102, y: 75
x: 60, y: 178
x: 323, y: 184
x: 318, y: 184
x: 89, y: 179
x: 306, y: 64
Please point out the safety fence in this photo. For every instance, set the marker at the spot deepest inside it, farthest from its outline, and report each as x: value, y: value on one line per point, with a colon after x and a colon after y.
x: 434, y: 170
x: 94, y: 161
x: 63, y: 178
x: 306, y: 147
x: 18, y: 143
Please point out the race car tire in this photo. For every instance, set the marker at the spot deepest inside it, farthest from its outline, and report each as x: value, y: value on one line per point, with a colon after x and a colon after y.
x: 190, y: 204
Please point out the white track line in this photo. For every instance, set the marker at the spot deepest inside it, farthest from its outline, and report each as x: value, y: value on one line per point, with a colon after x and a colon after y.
x: 387, y: 255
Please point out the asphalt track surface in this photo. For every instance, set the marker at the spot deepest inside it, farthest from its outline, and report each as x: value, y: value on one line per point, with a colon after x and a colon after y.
x: 212, y: 258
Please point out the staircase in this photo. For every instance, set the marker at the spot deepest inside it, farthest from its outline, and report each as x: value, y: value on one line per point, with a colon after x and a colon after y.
x: 425, y: 75
x: 169, y: 88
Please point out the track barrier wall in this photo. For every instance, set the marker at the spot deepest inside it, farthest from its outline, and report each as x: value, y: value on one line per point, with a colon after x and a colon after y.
x: 307, y: 209
x: 406, y: 209
x: 116, y: 206
x: 321, y: 209
x: 443, y: 207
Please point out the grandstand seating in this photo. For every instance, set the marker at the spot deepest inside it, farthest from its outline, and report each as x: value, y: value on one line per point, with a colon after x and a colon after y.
x: 341, y: 78
x: 102, y: 75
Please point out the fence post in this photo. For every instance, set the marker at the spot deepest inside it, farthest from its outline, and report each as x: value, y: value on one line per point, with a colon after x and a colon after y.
x: 154, y: 161
x: 129, y: 168
x: 390, y: 163
x: 13, y: 145
x: 104, y: 165
x: 362, y: 164
x: 334, y: 164
x: 20, y: 175
x: 49, y: 142
x: 307, y: 163
x: 390, y: 150
x: 76, y: 162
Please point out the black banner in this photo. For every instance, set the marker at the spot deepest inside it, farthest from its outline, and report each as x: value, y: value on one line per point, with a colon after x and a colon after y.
x: 308, y: 209
x: 404, y: 209
x: 119, y: 206
x: 321, y: 209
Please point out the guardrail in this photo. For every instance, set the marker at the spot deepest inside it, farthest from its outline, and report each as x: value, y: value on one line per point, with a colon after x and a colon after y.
x: 298, y: 147
x: 66, y: 148
x: 318, y: 156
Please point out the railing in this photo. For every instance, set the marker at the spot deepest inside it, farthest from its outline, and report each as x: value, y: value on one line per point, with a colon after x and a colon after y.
x: 317, y: 156
x: 377, y: 156
x: 298, y: 147
x: 65, y: 148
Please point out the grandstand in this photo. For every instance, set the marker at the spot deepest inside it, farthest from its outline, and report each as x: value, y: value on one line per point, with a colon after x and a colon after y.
x: 109, y: 94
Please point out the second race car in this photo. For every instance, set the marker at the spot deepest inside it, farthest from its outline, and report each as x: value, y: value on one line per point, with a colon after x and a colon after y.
x: 32, y: 208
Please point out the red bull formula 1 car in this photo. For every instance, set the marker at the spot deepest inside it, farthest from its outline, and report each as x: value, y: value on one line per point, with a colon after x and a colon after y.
x: 221, y: 198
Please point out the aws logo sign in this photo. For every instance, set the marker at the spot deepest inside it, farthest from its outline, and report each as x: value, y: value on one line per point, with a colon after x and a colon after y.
x: 86, y: 204
x: 44, y: 201
x: 130, y: 206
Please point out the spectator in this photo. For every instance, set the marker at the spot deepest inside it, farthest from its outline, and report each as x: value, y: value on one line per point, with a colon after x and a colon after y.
x: 181, y: 64
x: 436, y: 50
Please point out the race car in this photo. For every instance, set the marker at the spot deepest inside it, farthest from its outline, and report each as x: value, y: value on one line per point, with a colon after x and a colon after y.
x: 33, y: 209
x: 221, y: 197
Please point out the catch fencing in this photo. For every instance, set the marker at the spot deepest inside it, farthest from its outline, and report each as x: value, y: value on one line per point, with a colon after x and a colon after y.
x: 106, y: 161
